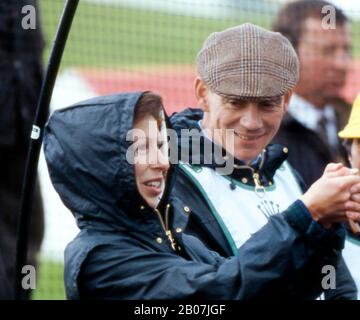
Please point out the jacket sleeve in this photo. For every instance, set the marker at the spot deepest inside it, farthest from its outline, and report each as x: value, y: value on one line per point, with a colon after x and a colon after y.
x: 273, y: 263
x: 345, y: 288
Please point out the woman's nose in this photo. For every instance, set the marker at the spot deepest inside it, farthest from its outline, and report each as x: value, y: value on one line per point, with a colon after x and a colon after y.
x: 162, y: 161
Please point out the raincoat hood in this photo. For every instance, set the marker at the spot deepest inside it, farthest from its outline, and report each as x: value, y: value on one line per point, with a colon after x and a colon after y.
x: 85, y: 147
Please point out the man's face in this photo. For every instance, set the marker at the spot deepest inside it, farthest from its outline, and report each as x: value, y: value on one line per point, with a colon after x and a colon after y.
x: 253, y: 123
x: 324, y: 56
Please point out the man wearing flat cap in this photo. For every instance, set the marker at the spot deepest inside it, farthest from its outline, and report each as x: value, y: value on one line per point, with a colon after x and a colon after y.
x: 244, y: 84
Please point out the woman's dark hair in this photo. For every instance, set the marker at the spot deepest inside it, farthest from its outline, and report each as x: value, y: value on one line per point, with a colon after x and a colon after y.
x: 291, y: 17
x: 149, y: 104
x: 347, y: 144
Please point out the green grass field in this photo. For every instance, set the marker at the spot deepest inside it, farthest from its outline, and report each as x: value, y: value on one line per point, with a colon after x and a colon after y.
x: 50, y: 284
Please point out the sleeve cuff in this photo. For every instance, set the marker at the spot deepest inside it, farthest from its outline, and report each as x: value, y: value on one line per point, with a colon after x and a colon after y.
x: 299, y: 218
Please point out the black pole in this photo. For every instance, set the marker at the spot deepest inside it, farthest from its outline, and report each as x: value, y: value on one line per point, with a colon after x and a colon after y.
x: 36, y: 141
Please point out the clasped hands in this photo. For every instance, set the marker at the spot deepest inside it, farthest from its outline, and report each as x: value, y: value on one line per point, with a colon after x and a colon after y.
x: 335, y: 197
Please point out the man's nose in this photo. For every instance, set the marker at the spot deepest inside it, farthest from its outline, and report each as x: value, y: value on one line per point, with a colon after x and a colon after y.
x: 251, y: 118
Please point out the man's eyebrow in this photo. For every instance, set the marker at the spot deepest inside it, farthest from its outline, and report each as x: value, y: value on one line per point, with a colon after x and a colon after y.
x: 270, y: 100
x: 234, y: 100
x: 256, y: 100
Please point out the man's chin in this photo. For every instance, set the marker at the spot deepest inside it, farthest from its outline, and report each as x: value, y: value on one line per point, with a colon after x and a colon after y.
x: 247, y: 156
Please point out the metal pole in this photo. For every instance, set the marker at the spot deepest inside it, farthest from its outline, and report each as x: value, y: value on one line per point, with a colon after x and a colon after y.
x: 36, y: 141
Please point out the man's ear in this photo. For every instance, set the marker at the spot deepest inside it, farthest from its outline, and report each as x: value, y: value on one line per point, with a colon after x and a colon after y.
x: 201, y: 91
x: 287, y: 98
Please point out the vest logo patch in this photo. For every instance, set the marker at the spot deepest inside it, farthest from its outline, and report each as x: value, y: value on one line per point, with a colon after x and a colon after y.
x: 268, y: 208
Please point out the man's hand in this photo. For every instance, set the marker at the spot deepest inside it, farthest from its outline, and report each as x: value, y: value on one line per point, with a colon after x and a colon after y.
x: 333, y: 197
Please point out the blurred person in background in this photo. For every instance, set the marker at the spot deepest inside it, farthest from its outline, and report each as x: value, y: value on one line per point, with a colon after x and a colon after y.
x: 351, y: 136
x: 21, y: 75
x: 316, y: 110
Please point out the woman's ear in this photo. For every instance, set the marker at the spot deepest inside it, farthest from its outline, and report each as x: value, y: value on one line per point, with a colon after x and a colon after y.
x: 201, y: 91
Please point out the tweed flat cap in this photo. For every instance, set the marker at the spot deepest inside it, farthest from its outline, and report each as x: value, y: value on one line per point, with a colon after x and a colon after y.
x: 247, y: 61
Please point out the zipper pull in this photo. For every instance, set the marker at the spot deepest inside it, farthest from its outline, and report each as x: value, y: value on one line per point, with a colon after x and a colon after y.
x: 172, y: 240
x: 168, y: 232
x: 259, y: 189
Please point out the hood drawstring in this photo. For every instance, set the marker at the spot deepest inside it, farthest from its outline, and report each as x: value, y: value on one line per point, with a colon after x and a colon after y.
x: 165, y: 226
x: 232, y: 184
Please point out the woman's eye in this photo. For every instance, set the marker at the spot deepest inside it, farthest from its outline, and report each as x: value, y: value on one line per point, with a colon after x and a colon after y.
x: 141, y: 148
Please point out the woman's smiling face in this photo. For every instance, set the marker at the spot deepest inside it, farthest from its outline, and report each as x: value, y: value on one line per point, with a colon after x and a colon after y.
x: 151, y: 162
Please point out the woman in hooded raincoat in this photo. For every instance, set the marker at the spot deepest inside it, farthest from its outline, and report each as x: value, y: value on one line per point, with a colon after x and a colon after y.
x: 132, y: 245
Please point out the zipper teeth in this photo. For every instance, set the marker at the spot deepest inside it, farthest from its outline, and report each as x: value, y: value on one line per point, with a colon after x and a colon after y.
x: 161, y: 219
x: 165, y: 226
x: 167, y: 216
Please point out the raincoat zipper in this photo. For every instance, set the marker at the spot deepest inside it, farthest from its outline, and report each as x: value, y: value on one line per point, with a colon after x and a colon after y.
x: 259, y: 188
x: 165, y: 226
